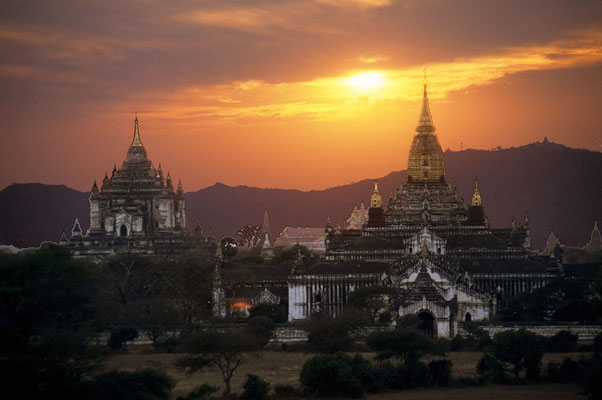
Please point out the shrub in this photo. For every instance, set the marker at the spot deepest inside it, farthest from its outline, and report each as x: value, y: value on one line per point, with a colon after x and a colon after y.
x: 521, y: 349
x: 553, y: 372
x: 598, y: 344
x: 255, y: 388
x: 490, y: 369
x: 387, y: 376
x: 458, y: 343
x: 570, y: 370
x: 439, y: 372
x: 167, y: 345
x: 592, y: 371
x: 467, y: 381
x: 562, y: 342
x: 261, y: 328
x: 408, y: 322
x: 203, y: 392
x: 138, y: 385
x: 330, y: 375
x: 274, y: 312
x: 120, y: 336
x: 328, y: 335
x: 284, y: 390
x: 414, y: 374
x: 407, y: 345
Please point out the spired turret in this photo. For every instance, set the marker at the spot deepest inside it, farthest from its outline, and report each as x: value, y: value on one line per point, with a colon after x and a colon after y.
x: 476, y: 213
x: 426, y: 163
x: 376, y: 212
x: 136, y: 152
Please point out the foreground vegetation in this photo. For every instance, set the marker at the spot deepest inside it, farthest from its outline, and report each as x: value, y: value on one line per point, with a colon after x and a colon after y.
x: 52, y: 306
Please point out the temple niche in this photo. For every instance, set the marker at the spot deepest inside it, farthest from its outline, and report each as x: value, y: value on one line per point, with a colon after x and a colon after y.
x: 136, y: 207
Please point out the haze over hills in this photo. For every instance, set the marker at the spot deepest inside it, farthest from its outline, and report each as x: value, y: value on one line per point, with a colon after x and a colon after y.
x: 560, y: 187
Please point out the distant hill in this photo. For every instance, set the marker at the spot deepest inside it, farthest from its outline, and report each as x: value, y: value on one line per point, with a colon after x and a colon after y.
x: 560, y: 187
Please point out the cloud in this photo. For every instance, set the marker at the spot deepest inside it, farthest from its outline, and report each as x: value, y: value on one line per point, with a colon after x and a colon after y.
x: 332, y: 98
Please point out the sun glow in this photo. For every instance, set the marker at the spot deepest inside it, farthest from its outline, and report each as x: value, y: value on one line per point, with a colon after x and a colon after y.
x: 366, y: 81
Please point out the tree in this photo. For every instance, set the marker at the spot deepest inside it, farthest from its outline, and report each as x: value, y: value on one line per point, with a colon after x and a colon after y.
x: 46, y: 317
x: 250, y: 235
x: 275, y: 312
x: 406, y: 345
x: 189, y: 282
x: 261, y: 328
x: 374, y: 300
x: 522, y: 349
x: 221, y: 349
x: 137, y: 385
x: 228, y: 246
x: 328, y: 335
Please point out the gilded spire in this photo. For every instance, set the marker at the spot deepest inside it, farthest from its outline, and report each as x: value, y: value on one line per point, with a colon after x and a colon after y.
x: 376, y: 200
x: 136, y: 141
x: 476, y: 195
x: 425, y: 124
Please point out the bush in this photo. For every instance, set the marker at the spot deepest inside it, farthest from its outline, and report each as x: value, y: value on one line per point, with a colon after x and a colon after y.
x: 467, y: 381
x: 598, y: 344
x: 331, y: 375
x: 439, y: 372
x: 562, y: 342
x: 284, y: 390
x: 490, y: 369
x: 261, y: 328
x: 553, y: 372
x: 138, y: 385
x: 521, y: 349
x: 409, y: 322
x: 570, y: 370
x: 274, y: 312
x: 203, y: 392
x: 592, y: 371
x: 458, y: 343
x: 388, y: 376
x: 255, y: 388
x: 168, y: 345
x: 328, y: 335
x: 120, y: 336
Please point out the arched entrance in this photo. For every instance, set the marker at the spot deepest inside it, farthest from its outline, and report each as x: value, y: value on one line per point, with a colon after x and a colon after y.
x: 123, y: 231
x: 468, y: 317
x: 426, y: 324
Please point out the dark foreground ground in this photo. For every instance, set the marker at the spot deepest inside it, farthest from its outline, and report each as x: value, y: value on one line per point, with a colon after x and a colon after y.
x: 284, y: 367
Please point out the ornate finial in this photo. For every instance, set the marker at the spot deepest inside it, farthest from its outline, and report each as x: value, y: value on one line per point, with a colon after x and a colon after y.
x: 136, y: 141
x: 526, y: 218
x: 114, y: 167
x: 424, y: 83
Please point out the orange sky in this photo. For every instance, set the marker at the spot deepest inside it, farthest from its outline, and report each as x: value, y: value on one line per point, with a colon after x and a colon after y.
x: 290, y: 94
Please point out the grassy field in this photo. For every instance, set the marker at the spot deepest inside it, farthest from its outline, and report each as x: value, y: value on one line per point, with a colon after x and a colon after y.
x: 284, y: 368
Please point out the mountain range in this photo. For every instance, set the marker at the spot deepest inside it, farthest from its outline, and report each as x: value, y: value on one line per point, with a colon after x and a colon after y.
x: 560, y: 188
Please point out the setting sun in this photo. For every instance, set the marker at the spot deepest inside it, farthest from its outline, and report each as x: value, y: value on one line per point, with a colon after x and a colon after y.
x: 366, y: 80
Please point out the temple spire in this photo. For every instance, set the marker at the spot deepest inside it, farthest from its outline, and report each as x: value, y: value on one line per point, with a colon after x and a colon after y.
x: 425, y: 124
x: 376, y: 200
x: 476, y: 195
x: 136, y: 141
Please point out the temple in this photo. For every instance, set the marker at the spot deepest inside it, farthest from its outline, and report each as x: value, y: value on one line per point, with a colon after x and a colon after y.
x: 136, y: 208
x: 426, y: 240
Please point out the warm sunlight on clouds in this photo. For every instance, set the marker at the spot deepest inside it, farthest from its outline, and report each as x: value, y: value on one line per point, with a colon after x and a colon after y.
x: 335, y: 98
x: 287, y: 93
